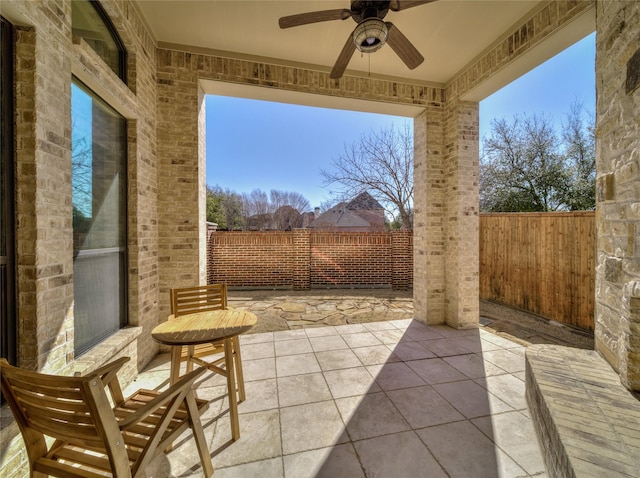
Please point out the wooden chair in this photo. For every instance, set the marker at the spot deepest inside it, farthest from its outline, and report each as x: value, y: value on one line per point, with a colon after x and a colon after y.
x: 97, y: 431
x: 190, y: 300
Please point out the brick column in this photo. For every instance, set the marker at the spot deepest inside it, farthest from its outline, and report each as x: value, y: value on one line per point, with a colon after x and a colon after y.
x: 301, y: 259
x: 402, y: 260
x: 428, y: 223
x: 461, y: 217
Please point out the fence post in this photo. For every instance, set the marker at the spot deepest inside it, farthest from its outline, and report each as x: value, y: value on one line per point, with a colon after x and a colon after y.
x: 402, y: 254
x: 301, y: 259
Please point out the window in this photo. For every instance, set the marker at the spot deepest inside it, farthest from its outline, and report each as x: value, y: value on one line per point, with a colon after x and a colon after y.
x: 8, y: 337
x: 99, y: 218
x: 90, y: 22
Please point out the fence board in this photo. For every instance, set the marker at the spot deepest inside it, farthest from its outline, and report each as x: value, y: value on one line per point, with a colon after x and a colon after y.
x: 540, y: 262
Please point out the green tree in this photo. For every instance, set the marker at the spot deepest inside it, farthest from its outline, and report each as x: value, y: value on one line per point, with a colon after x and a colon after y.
x: 224, y: 207
x: 527, y: 166
x: 579, y: 138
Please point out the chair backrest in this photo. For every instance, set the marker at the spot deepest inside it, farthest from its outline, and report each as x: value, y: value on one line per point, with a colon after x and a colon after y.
x: 71, y: 409
x: 188, y: 300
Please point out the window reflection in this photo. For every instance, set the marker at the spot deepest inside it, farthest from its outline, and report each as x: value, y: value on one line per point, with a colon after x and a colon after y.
x: 99, y: 217
x: 90, y: 22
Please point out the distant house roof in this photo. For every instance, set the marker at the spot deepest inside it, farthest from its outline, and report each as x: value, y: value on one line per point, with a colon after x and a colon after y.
x: 364, y: 201
x: 363, y: 213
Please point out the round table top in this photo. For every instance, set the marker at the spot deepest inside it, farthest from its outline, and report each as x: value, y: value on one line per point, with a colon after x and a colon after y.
x: 203, y: 327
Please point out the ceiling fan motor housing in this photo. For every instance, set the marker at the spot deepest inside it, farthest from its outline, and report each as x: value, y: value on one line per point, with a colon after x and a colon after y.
x: 363, y: 9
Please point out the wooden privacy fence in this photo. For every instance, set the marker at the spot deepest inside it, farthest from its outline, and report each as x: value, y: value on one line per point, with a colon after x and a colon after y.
x: 304, y: 259
x: 540, y: 262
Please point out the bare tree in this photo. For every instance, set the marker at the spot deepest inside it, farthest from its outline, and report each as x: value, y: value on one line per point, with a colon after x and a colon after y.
x: 257, y: 210
x: 380, y: 163
x: 287, y: 208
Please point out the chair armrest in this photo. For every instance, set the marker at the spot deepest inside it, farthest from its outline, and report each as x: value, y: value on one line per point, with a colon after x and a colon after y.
x: 185, y: 383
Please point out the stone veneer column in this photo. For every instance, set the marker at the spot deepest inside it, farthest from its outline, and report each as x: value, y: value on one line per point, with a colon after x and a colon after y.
x: 617, y: 327
x: 461, y: 217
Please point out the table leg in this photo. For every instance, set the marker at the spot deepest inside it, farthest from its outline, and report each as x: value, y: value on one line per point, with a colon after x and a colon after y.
x: 176, y: 352
x: 231, y: 387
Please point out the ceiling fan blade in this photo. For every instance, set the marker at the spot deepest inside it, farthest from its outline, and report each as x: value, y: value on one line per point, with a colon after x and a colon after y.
x: 397, y: 5
x: 343, y: 59
x: 403, y: 47
x: 314, y: 17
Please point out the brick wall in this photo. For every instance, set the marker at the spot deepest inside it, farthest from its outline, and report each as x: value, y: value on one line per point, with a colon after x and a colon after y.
x: 304, y: 259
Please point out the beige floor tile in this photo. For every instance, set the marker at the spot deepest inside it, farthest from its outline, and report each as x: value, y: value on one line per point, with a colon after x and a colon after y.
x: 375, y: 354
x: 401, y: 455
x: 328, y: 342
x: 271, y: 468
x: 376, y: 326
x: 293, y: 347
x: 436, y: 370
x: 339, y: 461
x: 351, y: 329
x: 259, y: 369
x: 337, y: 359
x: 510, y: 389
x: 513, y: 432
x: 394, y: 375
x: 370, y: 415
x: 259, y: 440
x: 296, y: 364
x: 465, y: 452
x: 389, y: 336
x: 411, y: 351
x: 423, y: 407
x: 473, y: 366
x: 253, y: 351
x: 351, y: 381
x: 361, y: 339
x: 289, y: 334
x: 447, y: 346
x: 261, y: 395
x: 506, y: 359
x: 471, y: 399
x: 305, y: 388
x: 320, y: 331
x: 419, y: 332
x: 256, y: 338
x: 298, y: 434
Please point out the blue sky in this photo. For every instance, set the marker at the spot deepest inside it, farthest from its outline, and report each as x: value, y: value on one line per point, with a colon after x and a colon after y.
x: 263, y: 145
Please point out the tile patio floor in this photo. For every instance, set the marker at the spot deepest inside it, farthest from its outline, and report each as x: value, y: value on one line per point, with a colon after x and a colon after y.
x: 382, y: 399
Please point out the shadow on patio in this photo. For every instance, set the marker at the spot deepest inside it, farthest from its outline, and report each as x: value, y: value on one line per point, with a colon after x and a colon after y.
x: 386, y: 399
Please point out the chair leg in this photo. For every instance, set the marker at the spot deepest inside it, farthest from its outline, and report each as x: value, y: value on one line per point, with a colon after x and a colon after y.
x: 231, y: 387
x: 198, y: 435
x: 237, y: 359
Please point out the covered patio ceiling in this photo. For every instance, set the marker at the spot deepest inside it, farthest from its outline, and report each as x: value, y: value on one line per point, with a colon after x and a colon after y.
x: 450, y: 34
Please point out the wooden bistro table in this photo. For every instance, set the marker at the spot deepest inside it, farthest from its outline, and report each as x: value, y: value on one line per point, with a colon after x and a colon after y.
x: 204, y: 327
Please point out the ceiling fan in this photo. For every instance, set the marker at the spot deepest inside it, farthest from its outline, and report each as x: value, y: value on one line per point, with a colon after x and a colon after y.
x: 370, y: 34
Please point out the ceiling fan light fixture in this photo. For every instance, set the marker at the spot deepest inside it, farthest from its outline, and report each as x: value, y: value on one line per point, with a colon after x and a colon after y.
x: 370, y: 35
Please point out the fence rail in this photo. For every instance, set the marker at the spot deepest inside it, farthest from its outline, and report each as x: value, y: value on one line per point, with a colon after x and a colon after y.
x: 540, y: 262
